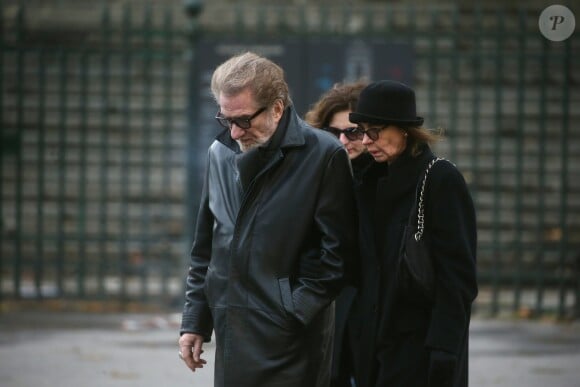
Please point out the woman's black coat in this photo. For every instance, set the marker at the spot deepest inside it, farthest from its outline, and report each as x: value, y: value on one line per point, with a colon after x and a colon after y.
x: 400, y: 328
x: 342, y: 367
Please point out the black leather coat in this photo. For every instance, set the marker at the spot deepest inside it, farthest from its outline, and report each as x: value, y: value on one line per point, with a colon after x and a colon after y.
x: 402, y: 327
x: 274, y: 229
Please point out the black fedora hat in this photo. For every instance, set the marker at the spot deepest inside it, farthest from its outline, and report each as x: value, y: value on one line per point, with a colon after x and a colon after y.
x: 386, y: 102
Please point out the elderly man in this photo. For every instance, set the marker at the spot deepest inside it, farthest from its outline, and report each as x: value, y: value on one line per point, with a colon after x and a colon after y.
x: 277, y: 221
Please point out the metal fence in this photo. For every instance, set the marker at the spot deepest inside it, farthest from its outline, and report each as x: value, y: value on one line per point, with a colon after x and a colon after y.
x: 98, y: 125
x: 93, y: 129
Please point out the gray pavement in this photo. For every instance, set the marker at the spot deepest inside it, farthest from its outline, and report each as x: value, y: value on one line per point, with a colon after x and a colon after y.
x: 95, y: 350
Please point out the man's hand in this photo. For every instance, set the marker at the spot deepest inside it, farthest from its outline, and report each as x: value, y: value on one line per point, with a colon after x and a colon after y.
x: 190, y: 350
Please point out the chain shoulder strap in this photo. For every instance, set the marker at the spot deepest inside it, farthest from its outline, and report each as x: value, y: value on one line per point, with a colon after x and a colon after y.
x: 421, y: 207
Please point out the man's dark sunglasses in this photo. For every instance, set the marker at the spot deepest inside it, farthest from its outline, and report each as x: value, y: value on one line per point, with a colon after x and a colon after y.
x: 351, y: 133
x: 241, y: 122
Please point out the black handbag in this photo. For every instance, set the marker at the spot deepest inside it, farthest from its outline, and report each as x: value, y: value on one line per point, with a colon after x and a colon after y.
x: 415, y: 264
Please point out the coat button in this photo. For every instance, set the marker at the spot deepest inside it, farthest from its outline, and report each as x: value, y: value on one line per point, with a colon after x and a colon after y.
x: 375, y: 309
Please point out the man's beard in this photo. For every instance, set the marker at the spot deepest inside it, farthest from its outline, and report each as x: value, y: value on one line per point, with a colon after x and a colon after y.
x: 250, y: 145
x: 257, y: 141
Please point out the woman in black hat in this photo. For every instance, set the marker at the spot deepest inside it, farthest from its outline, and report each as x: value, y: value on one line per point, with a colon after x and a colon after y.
x: 405, y: 337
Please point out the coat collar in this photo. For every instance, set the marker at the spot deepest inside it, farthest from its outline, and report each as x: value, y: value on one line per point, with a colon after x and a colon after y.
x: 293, y: 135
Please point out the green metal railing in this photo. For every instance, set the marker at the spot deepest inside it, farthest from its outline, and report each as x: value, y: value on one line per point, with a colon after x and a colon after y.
x: 92, y: 157
x: 97, y: 168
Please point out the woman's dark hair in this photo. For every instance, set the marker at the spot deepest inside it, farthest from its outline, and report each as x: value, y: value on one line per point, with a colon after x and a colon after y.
x: 342, y: 96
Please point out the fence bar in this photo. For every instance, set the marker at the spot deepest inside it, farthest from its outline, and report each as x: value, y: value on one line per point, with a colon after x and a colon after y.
x: 3, y: 149
x: 146, y: 138
x: 433, y: 70
x: 542, y: 177
x: 125, y: 144
x: 261, y: 21
x: 368, y: 22
x: 105, y: 53
x: 521, y: 97
x: 82, y: 194
x: 20, y: 51
x: 413, y: 26
x: 496, y: 222
x: 564, y: 152
x: 239, y: 17
x: 454, y: 98
x: 475, y: 140
x: 345, y: 16
x: 167, y: 128
x: 62, y: 171
x: 193, y: 181
x: 476, y: 63
x: 41, y: 190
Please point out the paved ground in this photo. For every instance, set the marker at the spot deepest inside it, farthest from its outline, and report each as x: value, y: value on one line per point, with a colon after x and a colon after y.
x: 96, y: 350
x: 523, y: 353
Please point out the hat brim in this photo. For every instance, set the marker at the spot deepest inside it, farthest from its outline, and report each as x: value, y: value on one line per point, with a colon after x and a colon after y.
x: 359, y: 117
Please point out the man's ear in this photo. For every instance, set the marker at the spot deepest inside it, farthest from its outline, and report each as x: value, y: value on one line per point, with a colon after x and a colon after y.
x: 278, y: 110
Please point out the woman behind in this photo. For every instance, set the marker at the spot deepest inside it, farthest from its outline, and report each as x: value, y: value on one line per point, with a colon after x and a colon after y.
x: 330, y: 113
x: 409, y: 338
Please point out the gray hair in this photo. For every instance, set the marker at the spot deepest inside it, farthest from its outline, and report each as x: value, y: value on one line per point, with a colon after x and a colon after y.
x: 263, y: 77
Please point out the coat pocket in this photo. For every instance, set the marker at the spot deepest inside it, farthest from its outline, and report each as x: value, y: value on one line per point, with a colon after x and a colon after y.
x: 286, y: 295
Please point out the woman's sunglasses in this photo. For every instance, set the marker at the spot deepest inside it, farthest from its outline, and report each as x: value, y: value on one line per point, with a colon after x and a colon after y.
x: 353, y: 134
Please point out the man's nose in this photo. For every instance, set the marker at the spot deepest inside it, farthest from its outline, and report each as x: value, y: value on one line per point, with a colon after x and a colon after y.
x: 343, y: 139
x: 236, y: 132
